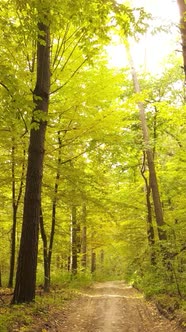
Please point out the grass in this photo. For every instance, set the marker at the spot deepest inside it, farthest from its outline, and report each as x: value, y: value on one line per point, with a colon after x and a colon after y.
x: 47, y: 308
x: 36, y: 316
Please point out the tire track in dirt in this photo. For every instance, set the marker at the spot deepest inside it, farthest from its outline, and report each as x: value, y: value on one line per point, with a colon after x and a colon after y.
x: 112, y: 307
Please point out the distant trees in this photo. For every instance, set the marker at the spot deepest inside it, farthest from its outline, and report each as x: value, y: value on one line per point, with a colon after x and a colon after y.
x: 162, y: 105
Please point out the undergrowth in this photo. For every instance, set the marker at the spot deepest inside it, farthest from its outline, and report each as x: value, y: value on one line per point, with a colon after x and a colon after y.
x: 165, y: 287
x: 37, y: 316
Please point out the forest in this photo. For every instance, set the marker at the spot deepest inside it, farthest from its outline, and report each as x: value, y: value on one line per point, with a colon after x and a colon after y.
x: 92, y: 155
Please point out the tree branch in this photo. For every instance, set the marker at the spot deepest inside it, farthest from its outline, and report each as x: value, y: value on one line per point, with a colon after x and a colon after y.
x: 73, y: 74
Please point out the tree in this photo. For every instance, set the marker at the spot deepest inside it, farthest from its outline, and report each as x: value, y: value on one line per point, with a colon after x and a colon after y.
x: 26, y: 272
x: 163, y: 100
x: 15, y: 205
x: 150, y: 158
x: 84, y: 237
x: 150, y: 227
x: 182, y: 9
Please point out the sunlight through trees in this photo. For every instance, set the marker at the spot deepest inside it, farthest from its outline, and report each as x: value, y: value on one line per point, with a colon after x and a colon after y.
x: 92, y: 159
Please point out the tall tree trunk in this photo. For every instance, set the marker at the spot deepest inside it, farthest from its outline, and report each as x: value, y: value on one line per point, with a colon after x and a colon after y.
x: 14, y: 219
x: 74, y: 239
x: 182, y: 9
x: 84, y: 238
x: 45, y: 254
x: 149, y: 152
x: 13, y: 247
x: 150, y: 228
x: 15, y: 204
x: 54, y: 204
x: 93, y: 262
x: 1, y: 285
x: 102, y: 258
x: 47, y: 251
x: 27, y: 260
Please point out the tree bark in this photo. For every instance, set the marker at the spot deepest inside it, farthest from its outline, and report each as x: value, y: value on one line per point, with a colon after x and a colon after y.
x: 54, y: 205
x: 84, y: 238
x: 75, y: 245
x: 182, y: 9
x: 150, y: 228
x: 47, y: 251
x: 149, y: 153
x: 1, y: 285
x: 93, y: 262
x: 45, y: 254
x: 15, y: 204
x: 74, y: 239
x: 102, y: 258
x: 27, y: 260
x: 14, y: 221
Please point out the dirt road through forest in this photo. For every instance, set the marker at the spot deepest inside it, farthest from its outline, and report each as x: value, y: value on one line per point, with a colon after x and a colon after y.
x: 112, y: 307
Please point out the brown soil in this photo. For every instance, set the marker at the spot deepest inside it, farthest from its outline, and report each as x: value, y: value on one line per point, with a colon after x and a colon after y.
x: 111, y: 307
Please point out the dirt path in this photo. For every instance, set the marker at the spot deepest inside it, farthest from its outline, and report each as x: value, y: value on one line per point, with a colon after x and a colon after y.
x: 112, y: 307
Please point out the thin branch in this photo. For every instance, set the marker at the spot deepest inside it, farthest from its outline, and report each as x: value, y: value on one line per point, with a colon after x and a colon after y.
x: 60, y: 45
x: 78, y: 155
x: 73, y: 74
x: 63, y: 45
x: 6, y: 88
x: 177, y: 253
x: 176, y: 139
x: 70, y: 55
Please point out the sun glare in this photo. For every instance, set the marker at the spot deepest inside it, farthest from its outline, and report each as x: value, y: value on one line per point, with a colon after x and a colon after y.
x: 150, y: 50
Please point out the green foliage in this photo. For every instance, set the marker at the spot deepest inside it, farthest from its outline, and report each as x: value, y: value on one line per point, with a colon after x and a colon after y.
x: 94, y: 146
x: 17, y: 317
x: 28, y: 317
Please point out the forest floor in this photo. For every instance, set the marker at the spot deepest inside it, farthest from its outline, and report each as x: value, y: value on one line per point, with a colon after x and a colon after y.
x: 110, y: 307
